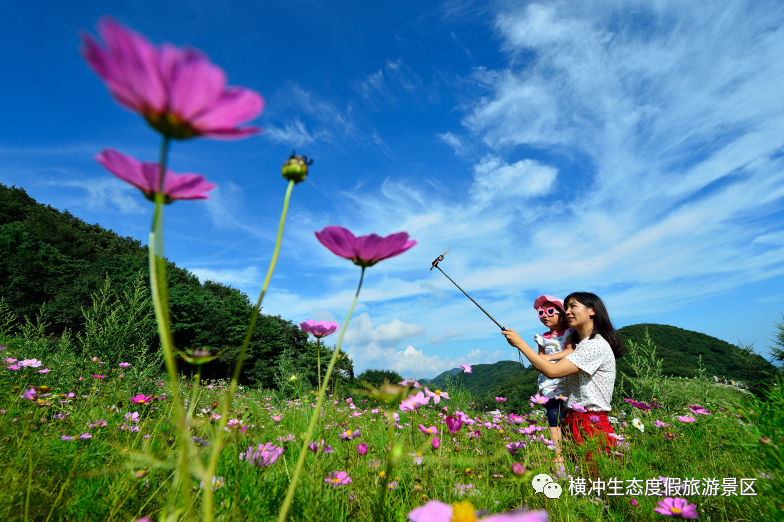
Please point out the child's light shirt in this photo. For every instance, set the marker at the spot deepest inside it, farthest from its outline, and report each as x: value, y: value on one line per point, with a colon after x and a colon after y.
x: 553, y: 343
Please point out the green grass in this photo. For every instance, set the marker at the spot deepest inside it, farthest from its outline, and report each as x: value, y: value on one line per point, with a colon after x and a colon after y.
x: 124, y: 475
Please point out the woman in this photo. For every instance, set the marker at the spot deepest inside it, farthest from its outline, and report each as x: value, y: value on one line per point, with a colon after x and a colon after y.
x: 588, y: 372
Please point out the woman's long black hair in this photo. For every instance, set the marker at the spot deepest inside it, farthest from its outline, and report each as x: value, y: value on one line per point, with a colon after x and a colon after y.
x: 601, y: 320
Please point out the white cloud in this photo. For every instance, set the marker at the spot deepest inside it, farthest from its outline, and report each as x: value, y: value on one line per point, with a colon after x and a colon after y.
x: 414, y: 363
x: 454, y: 142
x: 360, y: 331
x: 493, y: 178
x: 105, y: 193
x: 295, y: 134
x: 249, y: 276
x: 451, y: 334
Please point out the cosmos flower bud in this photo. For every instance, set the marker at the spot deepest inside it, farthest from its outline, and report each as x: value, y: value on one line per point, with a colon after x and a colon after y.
x: 296, y: 168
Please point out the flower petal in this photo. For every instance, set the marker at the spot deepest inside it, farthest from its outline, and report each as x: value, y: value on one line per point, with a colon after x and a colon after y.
x: 338, y: 240
x: 432, y: 511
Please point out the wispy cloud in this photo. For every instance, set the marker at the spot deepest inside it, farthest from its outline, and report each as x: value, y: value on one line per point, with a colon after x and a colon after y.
x: 104, y: 193
x: 390, y: 86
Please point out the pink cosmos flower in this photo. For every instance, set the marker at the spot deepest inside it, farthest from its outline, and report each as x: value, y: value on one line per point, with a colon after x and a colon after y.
x: 518, y: 469
x: 437, y: 511
x: 124, y: 364
x: 411, y: 382
x: 45, y: 370
x: 179, y: 92
x: 12, y: 367
x: 10, y: 361
x: 594, y: 418
x: 362, y: 449
x: 67, y: 437
x: 338, y: 478
x: 453, y: 424
x: 676, y: 507
x: 435, y: 443
x: 99, y: 376
x: 84, y: 436
x: 428, y: 431
x: 466, y: 368
x: 30, y: 394
x: 146, y: 177
x: 436, y: 395
x: 500, y: 399
x: 141, y: 399
x: 417, y: 458
x: 577, y: 408
x: 30, y: 363
x: 350, y: 435
x: 97, y: 424
x: 660, y: 424
x: 264, y: 455
x: 686, y: 419
x: 414, y: 402
x: 364, y: 251
x: 539, y: 399
x: 319, y: 329
x: 699, y: 410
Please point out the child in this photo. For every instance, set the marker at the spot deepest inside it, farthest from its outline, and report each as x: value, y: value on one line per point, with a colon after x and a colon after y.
x: 553, y: 346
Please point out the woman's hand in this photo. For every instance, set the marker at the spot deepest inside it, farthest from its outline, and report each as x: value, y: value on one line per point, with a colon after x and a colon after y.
x: 513, y: 338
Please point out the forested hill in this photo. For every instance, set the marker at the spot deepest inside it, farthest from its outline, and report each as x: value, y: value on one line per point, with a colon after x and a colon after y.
x: 680, y: 350
x: 52, y: 258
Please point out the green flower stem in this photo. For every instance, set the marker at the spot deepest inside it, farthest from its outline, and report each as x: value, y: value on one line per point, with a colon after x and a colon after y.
x: 382, y: 493
x: 207, y: 501
x: 318, y: 359
x: 160, y: 300
x: 284, y: 510
x: 194, y: 393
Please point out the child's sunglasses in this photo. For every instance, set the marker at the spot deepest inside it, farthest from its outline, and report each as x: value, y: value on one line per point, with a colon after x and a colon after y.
x: 549, y: 312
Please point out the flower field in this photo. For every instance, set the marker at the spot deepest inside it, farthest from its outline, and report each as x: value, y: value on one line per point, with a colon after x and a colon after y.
x: 98, y: 445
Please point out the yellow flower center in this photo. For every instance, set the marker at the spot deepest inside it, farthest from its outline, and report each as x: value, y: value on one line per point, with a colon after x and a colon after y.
x: 382, y: 473
x: 336, y: 480
x: 438, y: 392
x: 463, y: 512
x: 675, y: 510
x: 419, y: 454
x: 348, y: 433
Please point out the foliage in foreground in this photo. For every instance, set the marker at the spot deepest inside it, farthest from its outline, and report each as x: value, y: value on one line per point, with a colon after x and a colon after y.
x: 123, y: 470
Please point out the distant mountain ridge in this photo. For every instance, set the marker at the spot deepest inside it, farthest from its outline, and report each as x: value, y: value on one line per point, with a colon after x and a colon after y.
x: 678, y: 348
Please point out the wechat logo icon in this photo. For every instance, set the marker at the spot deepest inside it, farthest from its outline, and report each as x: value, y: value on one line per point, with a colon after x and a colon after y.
x: 544, y: 483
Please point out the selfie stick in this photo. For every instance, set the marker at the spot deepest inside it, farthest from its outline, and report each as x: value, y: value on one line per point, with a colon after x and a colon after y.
x: 435, y: 265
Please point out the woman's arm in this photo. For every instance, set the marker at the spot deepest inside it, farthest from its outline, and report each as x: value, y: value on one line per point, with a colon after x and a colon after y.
x: 560, y: 355
x: 562, y: 368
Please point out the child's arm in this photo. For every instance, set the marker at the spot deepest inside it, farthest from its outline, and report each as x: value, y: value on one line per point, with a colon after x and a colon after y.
x: 560, y: 355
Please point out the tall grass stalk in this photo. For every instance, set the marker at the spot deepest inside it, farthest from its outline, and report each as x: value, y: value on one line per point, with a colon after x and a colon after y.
x: 316, y: 412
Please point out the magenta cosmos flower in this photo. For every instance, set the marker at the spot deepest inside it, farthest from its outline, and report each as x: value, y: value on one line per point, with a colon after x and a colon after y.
x: 436, y: 511
x: 466, y: 368
x: 500, y: 399
x: 676, y: 507
x: 364, y: 251
x: 428, y: 431
x: 453, y: 424
x: 338, y: 478
x: 141, y: 399
x: 350, y: 435
x: 145, y: 177
x: 539, y: 399
x: 319, y: 329
x: 685, y: 419
x: 179, y: 92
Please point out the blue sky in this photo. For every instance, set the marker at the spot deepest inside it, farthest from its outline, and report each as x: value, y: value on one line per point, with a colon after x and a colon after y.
x: 632, y: 149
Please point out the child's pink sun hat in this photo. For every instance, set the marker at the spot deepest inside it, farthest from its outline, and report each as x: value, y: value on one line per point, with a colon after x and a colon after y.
x: 542, y: 299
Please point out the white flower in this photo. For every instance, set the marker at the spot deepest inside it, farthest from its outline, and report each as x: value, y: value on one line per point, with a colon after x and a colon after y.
x: 638, y: 424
